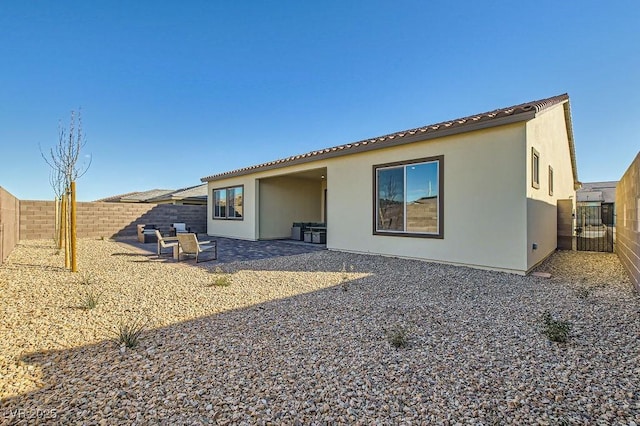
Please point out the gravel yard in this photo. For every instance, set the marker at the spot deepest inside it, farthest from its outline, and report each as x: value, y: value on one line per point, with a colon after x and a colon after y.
x: 296, y: 340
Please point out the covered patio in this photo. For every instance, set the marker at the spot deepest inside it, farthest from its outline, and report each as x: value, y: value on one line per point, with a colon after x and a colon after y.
x: 290, y: 198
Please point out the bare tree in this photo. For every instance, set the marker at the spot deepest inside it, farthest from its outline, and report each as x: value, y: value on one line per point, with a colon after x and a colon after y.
x: 63, y: 160
x: 56, y: 180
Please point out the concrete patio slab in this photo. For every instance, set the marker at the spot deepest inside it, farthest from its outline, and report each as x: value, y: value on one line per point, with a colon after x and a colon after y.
x: 233, y: 250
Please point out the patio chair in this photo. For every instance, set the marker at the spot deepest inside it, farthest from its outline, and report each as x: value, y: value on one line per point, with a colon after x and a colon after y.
x: 189, y: 244
x: 165, y: 242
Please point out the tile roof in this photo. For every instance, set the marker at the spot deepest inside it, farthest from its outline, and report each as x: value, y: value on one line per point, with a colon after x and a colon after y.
x: 591, y: 186
x: 155, y: 195
x: 115, y: 198
x: 193, y: 191
x: 493, y: 118
x: 140, y: 197
x: 597, y: 191
x: 198, y: 191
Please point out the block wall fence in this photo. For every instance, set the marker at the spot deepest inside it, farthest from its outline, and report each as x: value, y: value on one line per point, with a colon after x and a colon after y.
x: 9, y: 223
x: 628, y: 220
x: 37, y: 218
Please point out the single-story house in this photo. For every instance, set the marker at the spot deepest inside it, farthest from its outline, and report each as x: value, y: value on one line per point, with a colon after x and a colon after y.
x: 599, y: 197
x: 134, y: 197
x: 193, y: 195
x: 481, y: 191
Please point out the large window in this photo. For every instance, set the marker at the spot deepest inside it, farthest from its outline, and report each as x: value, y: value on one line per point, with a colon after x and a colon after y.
x: 408, y: 198
x: 228, y: 203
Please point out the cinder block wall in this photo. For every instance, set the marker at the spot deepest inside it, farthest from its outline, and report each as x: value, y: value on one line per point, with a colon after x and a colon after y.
x: 9, y: 223
x: 37, y: 218
x: 628, y: 220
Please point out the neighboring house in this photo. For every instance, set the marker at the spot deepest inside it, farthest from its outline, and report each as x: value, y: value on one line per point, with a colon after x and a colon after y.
x: 195, y: 195
x: 481, y: 191
x: 136, y: 197
x: 597, y: 194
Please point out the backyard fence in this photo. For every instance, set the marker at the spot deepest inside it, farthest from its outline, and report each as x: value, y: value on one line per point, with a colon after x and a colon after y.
x: 30, y: 220
x: 628, y: 220
x: 109, y: 220
x: 9, y: 223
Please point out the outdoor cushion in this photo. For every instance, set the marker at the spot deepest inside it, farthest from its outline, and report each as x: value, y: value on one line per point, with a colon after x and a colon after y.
x: 180, y: 227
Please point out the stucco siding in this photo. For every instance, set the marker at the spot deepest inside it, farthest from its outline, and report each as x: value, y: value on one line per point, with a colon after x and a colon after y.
x: 484, y: 209
x: 547, y: 134
x: 243, y: 229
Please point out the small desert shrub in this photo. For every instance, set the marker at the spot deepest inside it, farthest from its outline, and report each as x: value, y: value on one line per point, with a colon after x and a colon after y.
x: 345, y: 277
x: 494, y: 418
x: 87, y: 278
x: 129, y: 332
x: 220, y: 279
x: 555, y: 330
x: 398, y: 336
x: 583, y: 292
x: 89, y: 298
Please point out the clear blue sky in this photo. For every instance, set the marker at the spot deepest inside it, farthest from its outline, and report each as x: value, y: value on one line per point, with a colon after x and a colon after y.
x: 174, y: 91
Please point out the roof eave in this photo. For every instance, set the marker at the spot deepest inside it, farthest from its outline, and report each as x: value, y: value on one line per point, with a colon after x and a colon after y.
x: 373, y: 145
x: 572, y: 148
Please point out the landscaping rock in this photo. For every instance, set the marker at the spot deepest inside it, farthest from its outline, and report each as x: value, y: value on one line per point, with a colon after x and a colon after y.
x: 285, y: 343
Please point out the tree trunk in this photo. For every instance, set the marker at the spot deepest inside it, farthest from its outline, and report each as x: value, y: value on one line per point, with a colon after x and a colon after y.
x: 64, y: 229
x: 57, y: 234
x: 74, y: 246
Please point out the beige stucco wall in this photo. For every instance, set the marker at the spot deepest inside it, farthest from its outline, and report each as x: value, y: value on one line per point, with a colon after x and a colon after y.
x: 484, y: 207
x: 284, y: 200
x: 247, y: 227
x: 547, y: 134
